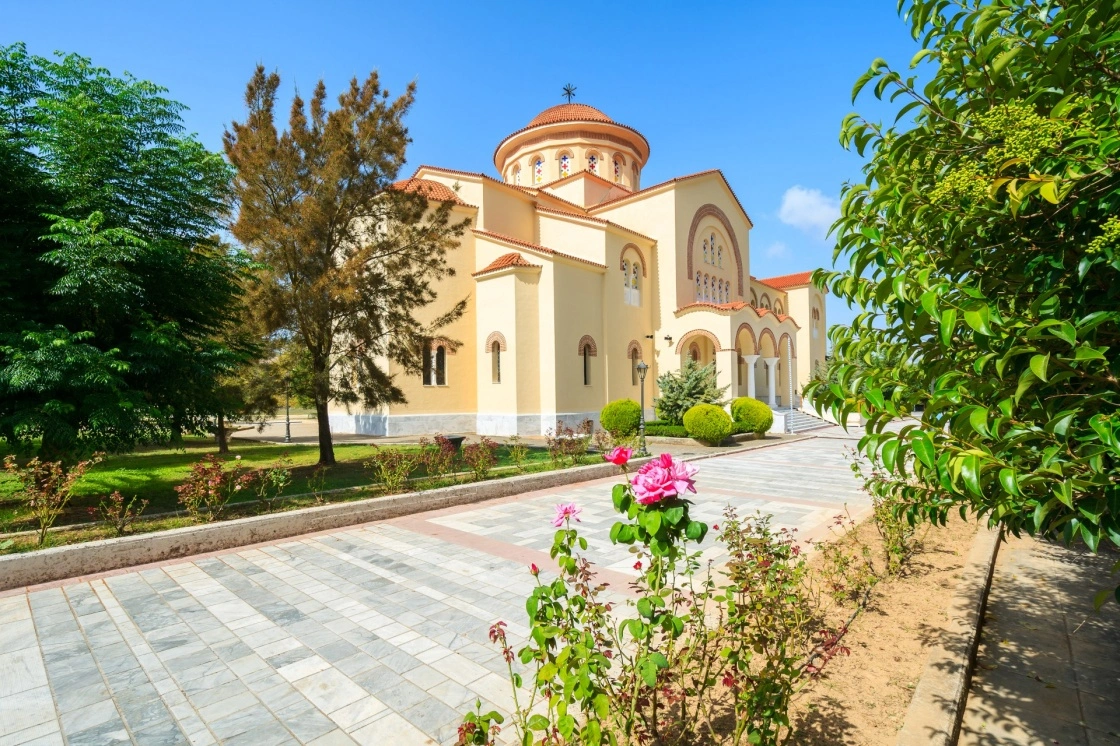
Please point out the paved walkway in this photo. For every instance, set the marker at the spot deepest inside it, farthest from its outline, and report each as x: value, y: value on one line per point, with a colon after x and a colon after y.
x: 373, y: 635
x: 1048, y: 670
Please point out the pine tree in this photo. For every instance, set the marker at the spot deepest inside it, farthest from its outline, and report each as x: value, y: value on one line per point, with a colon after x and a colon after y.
x: 348, y: 260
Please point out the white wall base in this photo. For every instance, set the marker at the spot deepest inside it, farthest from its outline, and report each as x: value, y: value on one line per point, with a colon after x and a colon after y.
x: 779, y: 425
x: 430, y: 424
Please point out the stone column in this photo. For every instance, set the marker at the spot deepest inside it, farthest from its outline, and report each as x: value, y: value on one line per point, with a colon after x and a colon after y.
x: 771, y: 378
x: 750, y: 360
x: 725, y: 370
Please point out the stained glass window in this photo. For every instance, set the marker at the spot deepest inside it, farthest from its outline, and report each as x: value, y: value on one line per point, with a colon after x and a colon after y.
x: 517, y: 174
x: 617, y: 171
x: 699, y: 297
x: 538, y: 171
x: 706, y: 251
x: 720, y: 255
x: 593, y: 163
x: 707, y: 293
x: 635, y: 298
x: 565, y: 165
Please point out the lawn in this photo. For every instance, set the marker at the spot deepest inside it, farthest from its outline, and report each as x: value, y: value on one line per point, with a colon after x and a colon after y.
x: 152, y: 474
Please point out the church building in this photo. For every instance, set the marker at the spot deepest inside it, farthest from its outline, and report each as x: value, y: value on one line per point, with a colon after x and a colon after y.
x: 575, y: 272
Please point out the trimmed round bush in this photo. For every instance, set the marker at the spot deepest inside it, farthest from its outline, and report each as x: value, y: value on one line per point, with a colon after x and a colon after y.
x: 754, y: 415
x: 620, y: 418
x: 707, y: 423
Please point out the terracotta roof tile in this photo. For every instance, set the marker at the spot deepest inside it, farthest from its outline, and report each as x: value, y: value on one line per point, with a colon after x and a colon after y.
x: 736, y: 305
x: 698, y: 174
x: 782, y: 282
x: 512, y: 259
x: 535, y: 247
x: 433, y: 190
x: 569, y: 113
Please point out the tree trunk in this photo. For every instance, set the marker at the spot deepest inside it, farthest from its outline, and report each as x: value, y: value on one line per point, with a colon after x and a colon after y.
x: 326, y: 445
x: 220, y: 433
x: 177, y: 428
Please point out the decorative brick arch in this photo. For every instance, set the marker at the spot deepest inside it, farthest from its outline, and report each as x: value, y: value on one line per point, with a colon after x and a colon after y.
x: 587, y: 340
x: 711, y: 210
x: 763, y: 335
x: 632, y: 348
x: 449, y: 346
x: 781, y: 347
x: 641, y: 256
x: 750, y: 332
x: 702, y: 333
x: 496, y: 337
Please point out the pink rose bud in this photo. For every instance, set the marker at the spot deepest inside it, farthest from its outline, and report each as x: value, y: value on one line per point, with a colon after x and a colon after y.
x: 534, y: 569
x: 619, y: 456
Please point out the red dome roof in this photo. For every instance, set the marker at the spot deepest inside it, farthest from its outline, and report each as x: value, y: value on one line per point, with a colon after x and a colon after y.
x: 569, y: 113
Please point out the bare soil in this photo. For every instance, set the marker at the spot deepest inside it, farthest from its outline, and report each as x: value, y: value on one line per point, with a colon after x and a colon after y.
x: 861, y: 699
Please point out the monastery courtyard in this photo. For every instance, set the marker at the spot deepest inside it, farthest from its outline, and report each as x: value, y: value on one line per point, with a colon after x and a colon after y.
x: 375, y: 634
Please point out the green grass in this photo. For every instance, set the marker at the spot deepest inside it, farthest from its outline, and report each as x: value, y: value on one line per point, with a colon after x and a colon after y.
x: 153, y: 473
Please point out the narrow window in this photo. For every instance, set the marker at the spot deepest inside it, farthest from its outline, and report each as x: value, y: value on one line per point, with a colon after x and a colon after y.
x: 517, y: 174
x: 626, y: 282
x: 694, y: 352
x: 593, y: 163
x: 635, y: 295
x: 707, y: 291
x: 617, y: 171
x: 586, y: 352
x: 699, y: 296
x: 706, y: 251
x: 565, y: 165
x: 538, y: 171
x: 441, y: 366
x: 496, y: 361
x: 719, y: 256
x: 428, y: 366
x: 634, y: 367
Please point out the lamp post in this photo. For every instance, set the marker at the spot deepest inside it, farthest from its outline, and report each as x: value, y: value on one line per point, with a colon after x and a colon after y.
x: 287, y: 409
x: 642, y: 368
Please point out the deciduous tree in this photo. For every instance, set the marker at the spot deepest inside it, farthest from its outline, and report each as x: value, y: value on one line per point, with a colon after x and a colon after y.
x: 349, y: 260
x: 985, y: 244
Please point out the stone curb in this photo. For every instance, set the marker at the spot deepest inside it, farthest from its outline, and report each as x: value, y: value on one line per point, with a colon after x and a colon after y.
x: 103, y: 555
x: 935, y: 712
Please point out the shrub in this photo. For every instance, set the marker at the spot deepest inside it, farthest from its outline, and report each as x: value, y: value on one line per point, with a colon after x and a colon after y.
x: 209, y: 487
x: 620, y: 418
x: 566, y: 445
x: 517, y: 450
x: 661, y: 429
x: 272, y: 481
x: 756, y: 416
x: 681, y: 391
x: 391, y: 467
x: 438, y: 457
x: 46, y: 486
x: 707, y: 423
x: 480, y: 457
x: 120, y: 513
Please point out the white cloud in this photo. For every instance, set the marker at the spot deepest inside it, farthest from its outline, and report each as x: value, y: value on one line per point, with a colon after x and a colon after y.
x: 777, y: 249
x: 808, y: 209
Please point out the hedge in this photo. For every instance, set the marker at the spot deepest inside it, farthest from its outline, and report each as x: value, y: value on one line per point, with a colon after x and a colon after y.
x: 620, y: 417
x: 707, y: 423
x: 754, y: 415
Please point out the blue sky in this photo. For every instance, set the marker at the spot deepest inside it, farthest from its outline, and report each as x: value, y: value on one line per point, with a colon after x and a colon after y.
x: 757, y: 89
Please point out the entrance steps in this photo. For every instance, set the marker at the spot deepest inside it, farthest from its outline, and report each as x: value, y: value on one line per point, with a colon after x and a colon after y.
x: 799, y: 421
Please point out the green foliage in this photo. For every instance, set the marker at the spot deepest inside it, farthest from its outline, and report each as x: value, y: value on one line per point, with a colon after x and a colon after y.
x: 480, y: 457
x: 984, y: 245
x: 620, y: 417
x: 46, y: 487
x: 707, y: 423
x: 753, y: 415
x: 662, y: 429
x: 210, y: 487
x: 392, y: 466
x: 694, y: 384
x: 518, y: 451
x: 113, y: 290
x: 119, y: 513
x: 479, y: 728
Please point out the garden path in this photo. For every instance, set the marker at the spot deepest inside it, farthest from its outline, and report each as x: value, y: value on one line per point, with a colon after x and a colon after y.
x: 376, y: 634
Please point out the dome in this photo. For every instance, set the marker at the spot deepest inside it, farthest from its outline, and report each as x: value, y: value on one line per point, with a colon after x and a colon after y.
x: 569, y: 113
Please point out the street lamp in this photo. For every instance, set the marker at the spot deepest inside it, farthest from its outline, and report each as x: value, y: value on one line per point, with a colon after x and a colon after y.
x: 642, y: 368
x: 287, y: 409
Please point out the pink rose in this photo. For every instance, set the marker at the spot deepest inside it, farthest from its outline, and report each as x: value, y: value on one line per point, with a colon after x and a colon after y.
x: 534, y: 569
x: 663, y: 478
x: 564, y: 512
x: 619, y: 456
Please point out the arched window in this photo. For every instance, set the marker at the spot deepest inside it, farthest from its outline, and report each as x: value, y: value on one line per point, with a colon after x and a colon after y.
x: 694, y: 352
x: 565, y: 165
x: 721, y: 299
x: 593, y: 163
x: 634, y: 176
x: 634, y: 367
x: 699, y: 295
x: 754, y: 299
x: 766, y: 301
x: 707, y: 295
x: 626, y: 282
x: 816, y: 325
x: 441, y: 366
x: 496, y: 361
x: 617, y: 170
x: 635, y: 293
x: 585, y: 353
x: 719, y: 256
x: 706, y: 251
x: 517, y: 174
x: 538, y: 170
x: 778, y: 307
